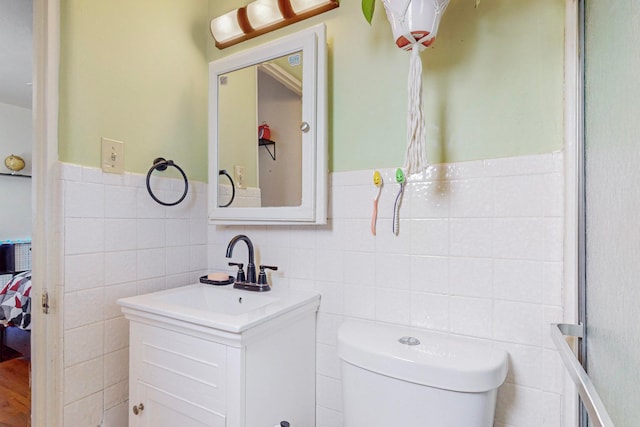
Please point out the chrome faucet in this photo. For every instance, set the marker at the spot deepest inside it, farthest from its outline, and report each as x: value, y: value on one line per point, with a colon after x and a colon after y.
x: 251, y: 267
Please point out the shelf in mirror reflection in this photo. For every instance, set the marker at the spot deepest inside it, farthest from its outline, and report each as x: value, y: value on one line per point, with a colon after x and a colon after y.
x: 266, y: 143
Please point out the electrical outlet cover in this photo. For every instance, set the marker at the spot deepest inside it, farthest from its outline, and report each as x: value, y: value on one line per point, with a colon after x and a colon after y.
x: 238, y: 176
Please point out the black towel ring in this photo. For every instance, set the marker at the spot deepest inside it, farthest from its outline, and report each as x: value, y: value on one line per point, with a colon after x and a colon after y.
x: 233, y: 187
x: 161, y: 164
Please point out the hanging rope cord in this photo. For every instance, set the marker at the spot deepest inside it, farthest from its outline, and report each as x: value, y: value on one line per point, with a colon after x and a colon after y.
x: 415, y: 158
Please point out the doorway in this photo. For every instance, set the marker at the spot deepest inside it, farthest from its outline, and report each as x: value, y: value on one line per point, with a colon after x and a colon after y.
x: 16, y: 136
x: 611, y: 288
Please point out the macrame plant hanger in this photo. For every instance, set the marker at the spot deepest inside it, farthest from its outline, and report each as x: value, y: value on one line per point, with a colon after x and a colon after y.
x: 415, y: 24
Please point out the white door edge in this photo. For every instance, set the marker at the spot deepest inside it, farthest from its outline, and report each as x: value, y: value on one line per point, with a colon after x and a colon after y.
x: 46, y: 355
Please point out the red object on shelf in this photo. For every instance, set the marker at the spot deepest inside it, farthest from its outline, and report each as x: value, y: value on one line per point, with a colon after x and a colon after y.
x: 263, y: 131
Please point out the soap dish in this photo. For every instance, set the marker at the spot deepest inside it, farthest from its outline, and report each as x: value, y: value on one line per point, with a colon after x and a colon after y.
x: 229, y: 281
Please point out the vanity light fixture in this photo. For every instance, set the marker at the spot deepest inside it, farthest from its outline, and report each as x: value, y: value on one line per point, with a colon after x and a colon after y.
x: 262, y: 16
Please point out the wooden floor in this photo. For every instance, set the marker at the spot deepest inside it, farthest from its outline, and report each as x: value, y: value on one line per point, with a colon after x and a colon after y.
x: 15, y: 394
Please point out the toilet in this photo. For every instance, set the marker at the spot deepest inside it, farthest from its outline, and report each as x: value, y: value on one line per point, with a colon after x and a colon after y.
x: 399, y: 376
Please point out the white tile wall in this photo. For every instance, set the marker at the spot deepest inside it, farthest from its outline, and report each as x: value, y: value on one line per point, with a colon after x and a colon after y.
x: 117, y: 242
x: 479, y: 254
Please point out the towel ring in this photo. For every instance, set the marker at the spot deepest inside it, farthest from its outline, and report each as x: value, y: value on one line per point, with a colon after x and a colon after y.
x: 233, y: 187
x: 161, y: 164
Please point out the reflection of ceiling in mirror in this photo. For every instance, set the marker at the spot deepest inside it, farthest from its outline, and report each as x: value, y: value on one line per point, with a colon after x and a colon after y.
x: 16, y: 52
x: 292, y: 64
x: 287, y: 70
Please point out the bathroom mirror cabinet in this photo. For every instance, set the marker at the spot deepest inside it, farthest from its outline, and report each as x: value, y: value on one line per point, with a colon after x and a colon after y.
x: 268, y: 133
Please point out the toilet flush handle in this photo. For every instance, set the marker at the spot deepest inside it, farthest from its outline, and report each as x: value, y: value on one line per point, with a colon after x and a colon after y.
x: 409, y: 340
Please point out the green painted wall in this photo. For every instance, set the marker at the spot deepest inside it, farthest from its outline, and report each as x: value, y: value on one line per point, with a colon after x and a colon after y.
x: 135, y: 71
x: 493, y: 82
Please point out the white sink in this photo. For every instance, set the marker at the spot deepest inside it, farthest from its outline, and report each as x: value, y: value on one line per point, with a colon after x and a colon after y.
x: 220, y: 307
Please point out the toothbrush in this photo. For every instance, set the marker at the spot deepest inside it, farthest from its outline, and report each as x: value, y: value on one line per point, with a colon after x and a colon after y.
x: 377, y: 181
x: 400, y: 179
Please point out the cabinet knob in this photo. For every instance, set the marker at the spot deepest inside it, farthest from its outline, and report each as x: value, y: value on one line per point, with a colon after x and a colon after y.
x: 138, y: 408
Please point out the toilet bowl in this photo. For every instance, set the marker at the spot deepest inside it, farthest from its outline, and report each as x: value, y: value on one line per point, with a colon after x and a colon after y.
x: 427, y: 380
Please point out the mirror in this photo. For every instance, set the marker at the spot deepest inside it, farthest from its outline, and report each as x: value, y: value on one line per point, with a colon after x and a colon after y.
x: 267, y: 133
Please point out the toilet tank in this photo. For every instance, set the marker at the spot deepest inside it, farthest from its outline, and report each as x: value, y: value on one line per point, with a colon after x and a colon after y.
x: 442, y: 381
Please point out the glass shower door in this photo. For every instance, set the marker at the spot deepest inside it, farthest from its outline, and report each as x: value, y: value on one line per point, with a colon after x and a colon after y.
x: 612, y: 199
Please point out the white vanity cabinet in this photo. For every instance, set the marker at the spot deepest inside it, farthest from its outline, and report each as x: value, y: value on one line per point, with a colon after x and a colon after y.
x: 187, y: 374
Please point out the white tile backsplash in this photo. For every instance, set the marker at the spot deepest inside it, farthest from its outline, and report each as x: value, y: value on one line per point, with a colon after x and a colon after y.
x: 471, y: 198
x: 83, y: 379
x: 83, y: 344
x: 518, y: 280
x: 430, y: 311
x: 430, y: 237
x: 393, y: 271
x: 471, y: 277
x: 430, y: 274
x: 119, y: 267
x: 120, y: 234
x: 115, y: 395
x: 471, y: 237
x: 84, y: 200
x: 84, y: 271
x: 328, y: 393
x: 519, y: 238
x: 82, y: 308
x: 116, y: 366
x: 120, y: 201
x: 83, y: 235
x: 393, y: 306
x: 520, y: 406
x: 518, y: 322
x: 471, y: 316
x: 117, y: 243
x: 85, y: 412
x: 477, y: 255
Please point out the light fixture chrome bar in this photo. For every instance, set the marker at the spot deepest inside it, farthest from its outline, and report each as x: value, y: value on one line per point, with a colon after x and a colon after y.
x: 598, y: 416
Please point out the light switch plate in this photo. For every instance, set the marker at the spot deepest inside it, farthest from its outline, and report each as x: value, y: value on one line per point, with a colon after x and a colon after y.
x: 112, y: 156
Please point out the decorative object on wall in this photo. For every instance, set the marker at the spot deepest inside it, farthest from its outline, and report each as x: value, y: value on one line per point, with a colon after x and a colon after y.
x: 264, y: 139
x: 262, y: 16
x: 400, y: 179
x: 377, y: 181
x: 415, y: 25
x: 161, y: 164
x: 264, y: 132
x: 14, y: 163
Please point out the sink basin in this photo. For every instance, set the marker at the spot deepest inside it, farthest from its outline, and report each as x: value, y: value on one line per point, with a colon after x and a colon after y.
x: 209, y: 299
x: 219, y: 307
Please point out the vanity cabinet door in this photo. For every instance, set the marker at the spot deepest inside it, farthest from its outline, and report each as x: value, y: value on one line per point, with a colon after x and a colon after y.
x: 162, y: 408
x: 179, y: 380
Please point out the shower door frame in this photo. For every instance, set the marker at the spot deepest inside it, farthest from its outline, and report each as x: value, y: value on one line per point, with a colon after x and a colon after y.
x: 575, y: 189
x: 574, y: 207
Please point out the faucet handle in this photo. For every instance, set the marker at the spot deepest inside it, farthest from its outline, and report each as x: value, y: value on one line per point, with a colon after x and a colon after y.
x: 240, y: 276
x: 262, y: 276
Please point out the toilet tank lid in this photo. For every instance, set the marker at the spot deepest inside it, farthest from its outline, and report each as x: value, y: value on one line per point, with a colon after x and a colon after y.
x: 441, y: 361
